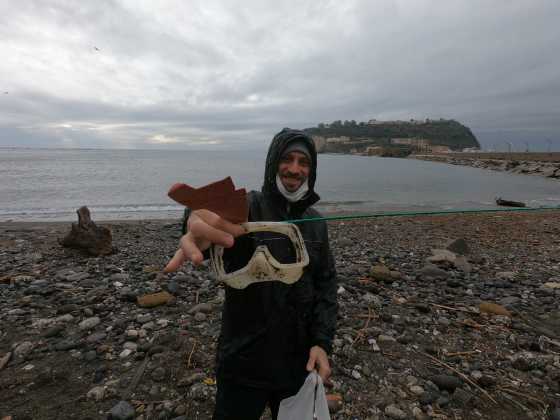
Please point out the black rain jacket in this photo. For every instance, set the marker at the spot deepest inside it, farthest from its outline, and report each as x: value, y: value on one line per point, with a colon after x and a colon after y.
x: 268, y: 328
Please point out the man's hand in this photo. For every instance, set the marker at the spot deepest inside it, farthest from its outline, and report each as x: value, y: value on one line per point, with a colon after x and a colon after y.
x: 204, y: 229
x: 318, y: 357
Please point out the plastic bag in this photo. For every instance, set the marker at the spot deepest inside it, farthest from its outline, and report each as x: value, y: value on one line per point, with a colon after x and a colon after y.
x: 310, y: 403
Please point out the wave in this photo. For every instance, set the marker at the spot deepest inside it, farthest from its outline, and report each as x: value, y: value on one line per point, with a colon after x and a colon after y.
x: 105, y: 211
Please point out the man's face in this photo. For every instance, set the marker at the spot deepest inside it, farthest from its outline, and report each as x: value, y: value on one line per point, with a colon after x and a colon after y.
x: 293, y: 170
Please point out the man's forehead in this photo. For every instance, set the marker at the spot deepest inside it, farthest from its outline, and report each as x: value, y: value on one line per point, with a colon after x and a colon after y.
x: 295, y: 154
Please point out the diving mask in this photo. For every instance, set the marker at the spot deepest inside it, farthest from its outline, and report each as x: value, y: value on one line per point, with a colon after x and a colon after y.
x: 263, y: 266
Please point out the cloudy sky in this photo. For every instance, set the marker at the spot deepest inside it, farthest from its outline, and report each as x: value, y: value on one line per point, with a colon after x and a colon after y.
x: 229, y: 74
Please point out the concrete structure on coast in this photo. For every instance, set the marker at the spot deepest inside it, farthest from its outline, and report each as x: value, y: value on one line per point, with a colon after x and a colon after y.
x: 543, y: 164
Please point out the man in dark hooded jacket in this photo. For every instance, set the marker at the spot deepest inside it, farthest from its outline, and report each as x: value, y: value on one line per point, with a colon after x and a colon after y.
x: 272, y: 333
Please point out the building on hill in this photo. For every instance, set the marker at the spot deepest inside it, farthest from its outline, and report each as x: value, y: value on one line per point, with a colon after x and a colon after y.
x: 341, y: 139
x: 438, y: 149
x: 411, y: 141
x: 374, y: 151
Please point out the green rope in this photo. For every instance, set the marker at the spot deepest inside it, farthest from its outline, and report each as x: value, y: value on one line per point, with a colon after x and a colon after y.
x: 420, y: 213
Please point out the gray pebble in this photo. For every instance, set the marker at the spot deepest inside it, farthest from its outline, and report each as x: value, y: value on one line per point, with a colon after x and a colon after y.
x: 158, y: 374
x: 201, y: 307
x: 122, y: 411
x: 89, y: 323
x: 395, y: 412
x: 23, y: 349
x: 199, y: 316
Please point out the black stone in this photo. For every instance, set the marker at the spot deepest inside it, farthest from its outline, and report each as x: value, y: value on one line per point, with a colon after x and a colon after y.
x: 428, y: 398
x: 446, y: 382
x: 53, y: 331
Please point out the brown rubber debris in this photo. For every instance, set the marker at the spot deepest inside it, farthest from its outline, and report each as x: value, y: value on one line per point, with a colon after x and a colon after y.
x: 220, y: 197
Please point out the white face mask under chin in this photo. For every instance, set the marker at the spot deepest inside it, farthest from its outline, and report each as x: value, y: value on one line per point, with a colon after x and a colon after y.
x: 292, y: 197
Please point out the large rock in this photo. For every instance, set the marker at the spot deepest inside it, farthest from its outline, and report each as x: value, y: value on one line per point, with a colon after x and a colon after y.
x: 549, y: 172
x: 458, y: 246
x: 87, y: 236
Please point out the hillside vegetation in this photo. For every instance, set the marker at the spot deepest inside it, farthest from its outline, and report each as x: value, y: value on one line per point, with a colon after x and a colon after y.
x: 437, y: 132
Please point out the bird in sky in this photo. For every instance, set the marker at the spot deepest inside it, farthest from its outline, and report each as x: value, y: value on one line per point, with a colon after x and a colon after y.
x: 96, y: 49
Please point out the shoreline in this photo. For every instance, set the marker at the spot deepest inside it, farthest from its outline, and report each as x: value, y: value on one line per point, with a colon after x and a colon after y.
x: 77, y: 338
x: 14, y: 225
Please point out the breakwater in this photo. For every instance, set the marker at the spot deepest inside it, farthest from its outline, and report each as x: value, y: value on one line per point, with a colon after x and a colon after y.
x: 543, y: 164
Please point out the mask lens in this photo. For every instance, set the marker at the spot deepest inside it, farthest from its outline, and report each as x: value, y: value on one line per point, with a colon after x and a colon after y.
x: 279, y: 245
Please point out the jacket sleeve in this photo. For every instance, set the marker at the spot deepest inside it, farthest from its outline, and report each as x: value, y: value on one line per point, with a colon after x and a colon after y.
x: 325, y: 308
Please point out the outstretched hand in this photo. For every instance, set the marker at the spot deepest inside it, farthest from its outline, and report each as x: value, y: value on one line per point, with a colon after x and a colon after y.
x: 319, y: 360
x: 204, y: 229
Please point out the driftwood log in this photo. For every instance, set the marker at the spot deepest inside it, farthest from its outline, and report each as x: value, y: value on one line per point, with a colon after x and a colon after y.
x: 86, y: 235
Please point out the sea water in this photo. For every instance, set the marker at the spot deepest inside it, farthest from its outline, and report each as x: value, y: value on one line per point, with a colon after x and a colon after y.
x: 50, y: 184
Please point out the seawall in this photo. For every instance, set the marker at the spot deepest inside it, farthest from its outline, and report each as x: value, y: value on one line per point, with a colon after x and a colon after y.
x: 542, y: 164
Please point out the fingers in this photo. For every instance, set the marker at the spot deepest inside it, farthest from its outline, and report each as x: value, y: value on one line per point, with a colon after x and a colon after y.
x: 311, y: 362
x: 217, y: 222
x: 318, y: 357
x: 191, y: 250
x: 205, y: 228
x: 324, y: 371
x: 204, y: 234
x: 175, y: 262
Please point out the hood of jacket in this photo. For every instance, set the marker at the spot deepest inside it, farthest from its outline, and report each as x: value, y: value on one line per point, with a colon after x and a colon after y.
x: 277, y: 147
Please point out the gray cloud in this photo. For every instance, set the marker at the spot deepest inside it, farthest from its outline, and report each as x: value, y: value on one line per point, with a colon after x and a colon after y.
x: 214, y: 74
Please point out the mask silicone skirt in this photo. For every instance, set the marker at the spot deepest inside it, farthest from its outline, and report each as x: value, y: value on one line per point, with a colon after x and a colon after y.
x: 274, y: 251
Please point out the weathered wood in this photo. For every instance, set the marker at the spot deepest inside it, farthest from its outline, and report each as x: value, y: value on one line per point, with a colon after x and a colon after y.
x: 87, y: 236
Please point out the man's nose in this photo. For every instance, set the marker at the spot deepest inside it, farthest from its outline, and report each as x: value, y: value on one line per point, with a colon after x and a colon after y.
x: 294, y: 167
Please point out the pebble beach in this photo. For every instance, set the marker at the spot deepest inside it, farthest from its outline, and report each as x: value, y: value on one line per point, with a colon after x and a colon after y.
x: 447, y: 317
